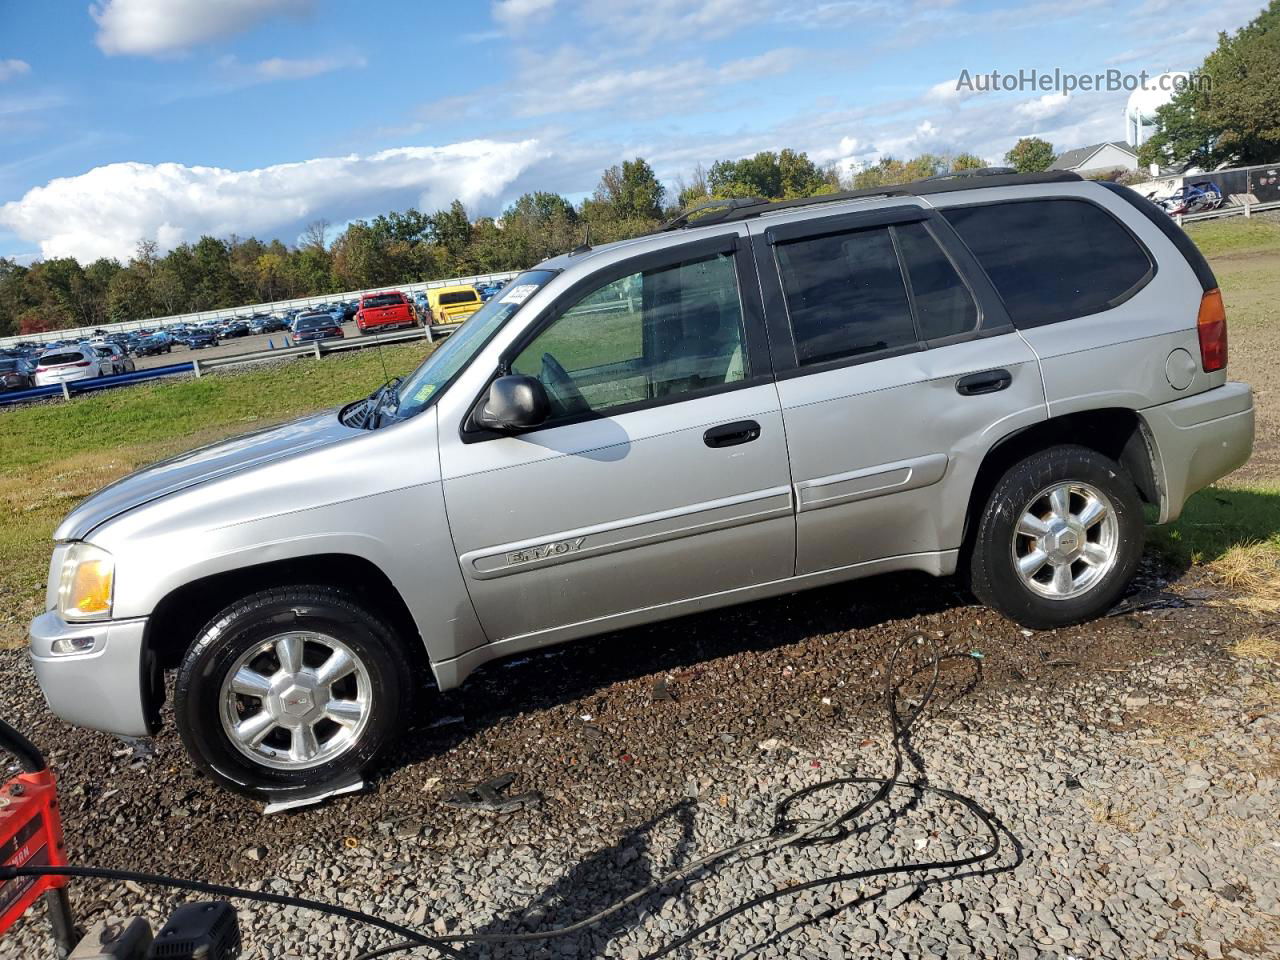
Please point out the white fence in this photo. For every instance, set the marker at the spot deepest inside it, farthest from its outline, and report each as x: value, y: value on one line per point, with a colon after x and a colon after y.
x: 278, y: 306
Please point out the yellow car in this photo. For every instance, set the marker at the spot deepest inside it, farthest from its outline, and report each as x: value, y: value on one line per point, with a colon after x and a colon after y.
x: 452, y: 304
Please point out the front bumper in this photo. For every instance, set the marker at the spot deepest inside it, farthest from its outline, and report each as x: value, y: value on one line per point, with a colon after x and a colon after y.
x: 1198, y: 440
x: 108, y: 686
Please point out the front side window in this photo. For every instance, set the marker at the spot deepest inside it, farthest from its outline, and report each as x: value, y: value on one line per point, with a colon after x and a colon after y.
x: 845, y: 295
x: 420, y: 389
x: 654, y: 335
x: 1052, y: 260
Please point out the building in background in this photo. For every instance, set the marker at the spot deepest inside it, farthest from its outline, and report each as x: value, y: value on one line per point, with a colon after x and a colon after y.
x: 1097, y: 158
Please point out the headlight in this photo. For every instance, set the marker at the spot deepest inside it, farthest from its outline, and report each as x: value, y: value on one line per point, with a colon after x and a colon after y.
x: 86, y: 582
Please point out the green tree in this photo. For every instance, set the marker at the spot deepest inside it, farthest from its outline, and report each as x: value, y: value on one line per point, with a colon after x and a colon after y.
x: 1030, y: 155
x: 630, y: 190
x: 966, y: 161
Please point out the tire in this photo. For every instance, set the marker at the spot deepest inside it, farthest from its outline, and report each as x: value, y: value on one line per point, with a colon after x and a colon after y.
x: 1099, y: 566
x: 243, y: 640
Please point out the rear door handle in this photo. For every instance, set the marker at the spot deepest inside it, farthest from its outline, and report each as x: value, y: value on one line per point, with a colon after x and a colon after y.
x: 988, y: 381
x: 732, y: 434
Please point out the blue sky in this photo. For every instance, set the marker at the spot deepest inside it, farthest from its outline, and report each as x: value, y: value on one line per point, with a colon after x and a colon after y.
x: 165, y: 119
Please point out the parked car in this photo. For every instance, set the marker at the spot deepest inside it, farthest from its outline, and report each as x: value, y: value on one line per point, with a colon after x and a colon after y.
x: 384, y: 311
x: 236, y: 329
x: 488, y: 289
x: 451, y: 304
x: 66, y: 364
x: 153, y: 345
x: 316, y: 326
x: 16, y: 373
x: 994, y: 374
x: 115, y: 358
x: 199, y: 338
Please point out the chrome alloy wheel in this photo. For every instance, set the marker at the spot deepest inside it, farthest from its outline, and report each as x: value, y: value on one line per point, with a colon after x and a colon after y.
x: 296, y: 700
x: 1066, y: 541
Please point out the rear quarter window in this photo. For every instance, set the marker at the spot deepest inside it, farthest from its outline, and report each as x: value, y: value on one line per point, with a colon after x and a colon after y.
x: 1053, y: 259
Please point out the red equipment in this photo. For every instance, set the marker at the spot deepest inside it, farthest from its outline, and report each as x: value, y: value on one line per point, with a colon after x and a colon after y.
x: 31, y: 835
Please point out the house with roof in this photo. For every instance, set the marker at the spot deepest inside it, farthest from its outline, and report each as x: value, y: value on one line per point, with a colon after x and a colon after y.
x: 1097, y: 158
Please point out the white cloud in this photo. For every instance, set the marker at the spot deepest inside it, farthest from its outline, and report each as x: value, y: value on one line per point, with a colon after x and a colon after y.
x: 158, y: 27
x: 514, y: 13
x: 106, y: 211
x: 13, y: 68
x: 569, y: 81
x: 282, y: 68
x: 1043, y: 108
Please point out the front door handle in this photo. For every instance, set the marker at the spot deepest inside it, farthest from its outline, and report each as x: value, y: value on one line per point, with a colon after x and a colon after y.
x: 732, y: 434
x: 988, y: 381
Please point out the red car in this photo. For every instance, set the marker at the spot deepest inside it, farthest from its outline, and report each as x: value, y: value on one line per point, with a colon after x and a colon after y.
x: 384, y: 311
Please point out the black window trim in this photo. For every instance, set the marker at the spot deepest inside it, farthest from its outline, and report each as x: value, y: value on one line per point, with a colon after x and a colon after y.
x: 993, y: 319
x: 757, y: 363
x: 1152, y: 266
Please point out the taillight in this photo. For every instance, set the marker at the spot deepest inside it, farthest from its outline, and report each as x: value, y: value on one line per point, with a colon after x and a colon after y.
x: 1211, y: 325
x: 83, y: 363
x: 42, y: 369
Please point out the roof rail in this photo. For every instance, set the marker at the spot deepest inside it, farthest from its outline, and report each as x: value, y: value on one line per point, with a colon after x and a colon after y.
x: 745, y: 208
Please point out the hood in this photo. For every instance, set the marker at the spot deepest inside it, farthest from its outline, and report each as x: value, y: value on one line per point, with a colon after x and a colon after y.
x: 200, y: 466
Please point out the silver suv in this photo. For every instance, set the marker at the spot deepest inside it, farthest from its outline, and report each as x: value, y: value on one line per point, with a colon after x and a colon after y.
x: 994, y: 375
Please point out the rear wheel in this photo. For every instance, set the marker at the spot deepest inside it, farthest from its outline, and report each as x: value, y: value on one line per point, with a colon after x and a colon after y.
x: 290, y: 692
x: 1059, y: 539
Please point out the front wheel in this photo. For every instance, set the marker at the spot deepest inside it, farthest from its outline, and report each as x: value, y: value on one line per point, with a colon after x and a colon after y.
x: 1059, y: 539
x: 290, y: 692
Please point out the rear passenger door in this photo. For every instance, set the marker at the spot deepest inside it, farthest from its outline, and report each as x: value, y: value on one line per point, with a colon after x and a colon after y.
x: 897, y: 369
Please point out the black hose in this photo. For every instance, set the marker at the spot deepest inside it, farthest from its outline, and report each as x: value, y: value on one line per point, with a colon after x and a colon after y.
x: 29, y: 756
x: 784, y: 833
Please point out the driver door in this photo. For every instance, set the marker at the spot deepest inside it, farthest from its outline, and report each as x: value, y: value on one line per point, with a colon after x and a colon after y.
x: 660, y: 479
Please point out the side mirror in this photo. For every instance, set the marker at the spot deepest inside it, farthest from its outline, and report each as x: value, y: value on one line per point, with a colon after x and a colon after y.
x: 515, y: 403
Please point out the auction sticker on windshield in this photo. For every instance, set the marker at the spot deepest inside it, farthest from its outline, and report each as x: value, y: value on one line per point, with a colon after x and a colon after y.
x: 519, y: 293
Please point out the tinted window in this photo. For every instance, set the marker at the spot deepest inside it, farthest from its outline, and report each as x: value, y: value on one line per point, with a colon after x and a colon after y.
x: 1052, y: 259
x: 57, y: 359
x: 458, y: 296
x: 653, y: 335
x: 944, y: 305
x: 845, y: 295
x: 386, y: 300
x: 317, y: 320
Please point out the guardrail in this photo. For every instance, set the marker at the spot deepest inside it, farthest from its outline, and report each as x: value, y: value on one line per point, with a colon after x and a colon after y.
x: 1234, y: 210
x: 196, y: 367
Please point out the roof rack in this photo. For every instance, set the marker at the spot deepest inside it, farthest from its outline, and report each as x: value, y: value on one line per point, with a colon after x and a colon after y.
x: 744, y: 208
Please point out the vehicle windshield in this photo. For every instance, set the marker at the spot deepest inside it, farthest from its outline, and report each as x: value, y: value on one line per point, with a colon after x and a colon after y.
x: 58, y: 359
x: 386, y: 300
x: 443, y: 364
x: 458, y: 296
x: 8, y: 366
x: 316, y: 320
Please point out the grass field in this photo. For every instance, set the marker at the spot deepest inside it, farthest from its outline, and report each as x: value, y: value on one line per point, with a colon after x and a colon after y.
x: 55, y: 454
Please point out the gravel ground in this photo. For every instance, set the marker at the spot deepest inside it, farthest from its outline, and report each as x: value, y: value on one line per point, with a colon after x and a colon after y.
x: 1132, y: 765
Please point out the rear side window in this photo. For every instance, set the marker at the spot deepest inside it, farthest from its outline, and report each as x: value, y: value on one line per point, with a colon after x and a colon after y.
x: 57, y: 359
x: 1052, y: 260
x: 845, y: 295
x: 944, y: 305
